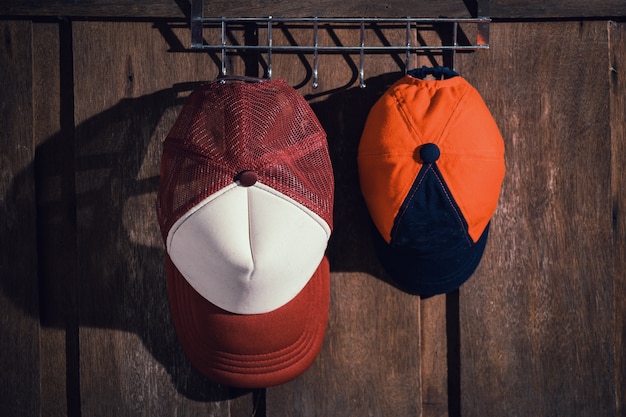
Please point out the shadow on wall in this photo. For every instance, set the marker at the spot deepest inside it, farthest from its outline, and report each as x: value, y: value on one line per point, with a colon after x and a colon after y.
x: 100, y: 253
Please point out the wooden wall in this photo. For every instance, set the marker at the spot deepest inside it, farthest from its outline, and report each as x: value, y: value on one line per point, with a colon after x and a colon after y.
x: 539, y: 330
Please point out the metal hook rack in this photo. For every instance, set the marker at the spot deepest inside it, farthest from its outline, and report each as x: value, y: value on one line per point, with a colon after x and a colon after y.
x: 199, y: 24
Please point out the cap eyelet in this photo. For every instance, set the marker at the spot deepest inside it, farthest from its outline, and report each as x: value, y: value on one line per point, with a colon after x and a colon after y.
x: 429, y: 153
x: 247, y: 178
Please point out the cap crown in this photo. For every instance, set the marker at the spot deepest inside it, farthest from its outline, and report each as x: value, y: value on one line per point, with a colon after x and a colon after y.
x: 246, y: 194
x: 450, y: 114
x: 431, y: 163
x: 227, y: 128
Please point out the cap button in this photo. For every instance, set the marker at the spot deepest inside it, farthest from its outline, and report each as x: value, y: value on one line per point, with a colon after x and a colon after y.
x: 248, y: 178
x: 429, y: 153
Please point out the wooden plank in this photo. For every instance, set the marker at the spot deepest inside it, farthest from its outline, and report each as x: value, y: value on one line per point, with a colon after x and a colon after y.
x: 617, y: 76
x: 181, y: 9
x: 329, y: 8
x: 438, y: 320
x: 178, y: 9
x: 538, y: 318
x: 54, y: 135
x: 520, y: 9
x: 127, y: 95
x: 19, y: 300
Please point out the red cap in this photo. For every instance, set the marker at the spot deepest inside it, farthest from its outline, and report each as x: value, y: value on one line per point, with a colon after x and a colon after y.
x: 245, y: 211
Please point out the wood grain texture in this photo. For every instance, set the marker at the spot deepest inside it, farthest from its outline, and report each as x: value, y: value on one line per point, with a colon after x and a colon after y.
x: 538, y: 318
x: 539, y: 330
x: 19, y: 296
x: 127, y: 95
x: 435, y: 363
x: 520, y: 9
x: 54, y: 175
x: 179, y: 9
x: 617, y: 76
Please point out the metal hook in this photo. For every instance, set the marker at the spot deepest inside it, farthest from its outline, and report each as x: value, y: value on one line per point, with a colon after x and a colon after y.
x: 223, y: 69
x: 315, y: 54
x: 455, y: 30
x: 409, y: 24
x: 362, y: 57
x: 197, y: 28
x: 269, y: 47
x: 408, y: 45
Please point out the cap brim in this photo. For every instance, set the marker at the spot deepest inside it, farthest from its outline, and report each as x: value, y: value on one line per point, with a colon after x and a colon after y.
x: 255, y: 350
x: 428, y: 274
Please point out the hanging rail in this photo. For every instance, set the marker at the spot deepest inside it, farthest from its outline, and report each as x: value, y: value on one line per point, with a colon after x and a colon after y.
x: 408, y: 24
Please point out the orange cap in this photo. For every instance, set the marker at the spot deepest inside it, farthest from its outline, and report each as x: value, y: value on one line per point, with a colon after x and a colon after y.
x: 431, y: 164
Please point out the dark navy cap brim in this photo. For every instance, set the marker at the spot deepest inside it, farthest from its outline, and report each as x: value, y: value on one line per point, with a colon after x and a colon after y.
x: 416, y: 273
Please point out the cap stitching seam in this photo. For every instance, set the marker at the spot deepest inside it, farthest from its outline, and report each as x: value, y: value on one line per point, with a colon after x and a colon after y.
x: 452, y: 204
x: 413, y: 191
x: 454, y: 111
x: 251, y: 271
x: 296, y: 349
x: 445, y: 191
x: 399, y: 101
x: 300, y: 344
x: 444, y: 131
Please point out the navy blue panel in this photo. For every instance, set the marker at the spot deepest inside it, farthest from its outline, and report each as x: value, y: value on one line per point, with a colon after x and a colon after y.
x: 431, y: 251
x: 429, y: 220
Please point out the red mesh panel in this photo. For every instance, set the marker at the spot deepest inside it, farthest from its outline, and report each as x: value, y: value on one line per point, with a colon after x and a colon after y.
x: 226, y: 128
